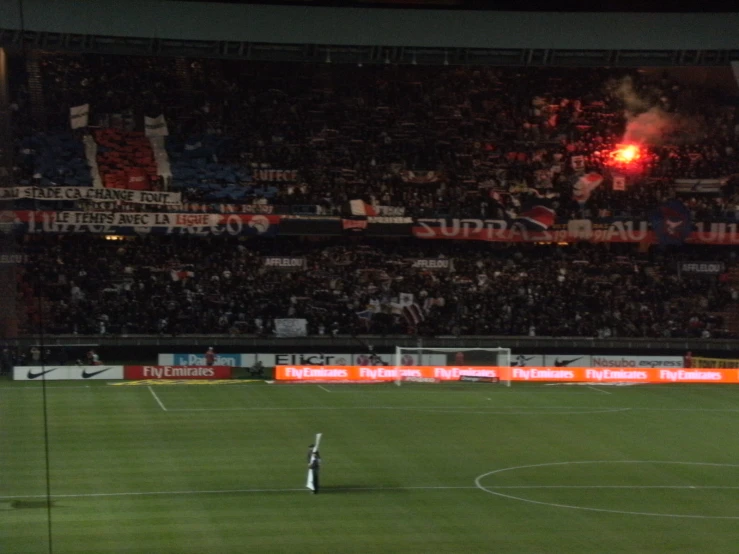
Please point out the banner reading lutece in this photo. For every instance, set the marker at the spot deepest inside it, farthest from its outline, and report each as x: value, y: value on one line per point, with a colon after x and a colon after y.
x: 530, y: 374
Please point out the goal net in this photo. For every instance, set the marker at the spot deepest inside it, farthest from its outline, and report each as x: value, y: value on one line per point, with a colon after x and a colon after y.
x: 455, y: 362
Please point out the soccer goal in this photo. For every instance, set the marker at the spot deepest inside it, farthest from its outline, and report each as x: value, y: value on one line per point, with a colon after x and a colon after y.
x: 463, y: 360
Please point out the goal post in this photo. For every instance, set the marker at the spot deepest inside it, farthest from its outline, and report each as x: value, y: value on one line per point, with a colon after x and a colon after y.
x: 410, y: 356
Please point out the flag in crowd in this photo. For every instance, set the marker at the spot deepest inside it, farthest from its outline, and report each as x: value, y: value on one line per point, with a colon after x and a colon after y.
x: 155, y: 126
x: 584, y: 187
x: 79, y: 116
x: 672, y: 223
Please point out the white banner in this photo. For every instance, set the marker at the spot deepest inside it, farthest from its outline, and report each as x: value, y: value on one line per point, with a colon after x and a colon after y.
x: 701, y: 268
x: 707, y: 186
x: 275, y: 175
x: 135, y: 219
x: 291, y: 327
x: 185, y: 359
x: 93, y: 194
x: 424, y: 359
x: 68, y: 373
x: 91, y: 155
x: 616, y: 360
x: 432, y: 263
x: 79, y: 116
x: 390, y: 211
x: 155, y: 126
x: 164, y: 168
x: 527, y: 360
x: 567, y: 360
x: 312, y: 359
x: 284, y: 263
x: 587, y: 360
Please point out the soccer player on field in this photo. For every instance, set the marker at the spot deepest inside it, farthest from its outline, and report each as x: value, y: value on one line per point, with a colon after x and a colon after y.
x: 314, y: 464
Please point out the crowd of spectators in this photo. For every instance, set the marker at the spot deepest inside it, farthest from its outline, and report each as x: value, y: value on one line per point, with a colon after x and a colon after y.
x: 451, y: 141
x: 180, y: 285
x: 478, y: 141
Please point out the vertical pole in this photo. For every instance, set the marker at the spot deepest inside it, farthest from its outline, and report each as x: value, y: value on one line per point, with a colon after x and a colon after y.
x: 8, y: 250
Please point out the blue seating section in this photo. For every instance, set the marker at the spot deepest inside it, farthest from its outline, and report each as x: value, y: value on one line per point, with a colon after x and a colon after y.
x: 58, y: 158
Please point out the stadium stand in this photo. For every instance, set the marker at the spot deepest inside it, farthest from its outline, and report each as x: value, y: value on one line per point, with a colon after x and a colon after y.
x: 531, y: 146
x: 179, y: 285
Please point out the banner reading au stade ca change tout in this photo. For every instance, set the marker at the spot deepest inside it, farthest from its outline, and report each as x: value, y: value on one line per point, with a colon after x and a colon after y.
x: 531, y: 374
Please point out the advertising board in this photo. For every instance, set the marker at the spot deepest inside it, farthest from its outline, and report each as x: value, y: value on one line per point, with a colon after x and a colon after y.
x: 299, y: 358
x: 231, y: 360
x: 137, y: 372
x: 531, y: 374
x: 378, y: 373
x: 68, y: 373
x: 617, y: 360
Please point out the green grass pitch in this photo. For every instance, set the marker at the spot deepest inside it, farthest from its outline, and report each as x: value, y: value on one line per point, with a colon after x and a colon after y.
x: 458, y: 468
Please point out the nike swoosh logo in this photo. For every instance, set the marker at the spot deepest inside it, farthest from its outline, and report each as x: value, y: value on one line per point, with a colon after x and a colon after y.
x: 32, y: 375
x: 86, y: 375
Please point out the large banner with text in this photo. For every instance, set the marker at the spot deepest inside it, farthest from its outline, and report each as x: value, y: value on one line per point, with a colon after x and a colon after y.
x: 531, y: 374
x: 586, y: 230
x: 490, y: 230
x: 176, y: 372
x: 93, y: 194
x: 133, y: 223
x: 68, y: 373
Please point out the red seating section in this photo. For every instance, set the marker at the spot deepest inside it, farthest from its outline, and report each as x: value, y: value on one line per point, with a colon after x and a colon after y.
x: 125, y: 159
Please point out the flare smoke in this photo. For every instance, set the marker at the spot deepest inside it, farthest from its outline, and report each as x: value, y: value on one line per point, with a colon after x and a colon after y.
x: 647, y: 122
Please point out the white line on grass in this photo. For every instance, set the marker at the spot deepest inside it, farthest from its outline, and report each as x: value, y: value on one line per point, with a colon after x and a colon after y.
x: 228, y: 491
x: 599, y: 390
x: 496, y: 490
x: 377, y: 489
x: 324, y: 388
x: 636, y: 487
x: 528, y: 410
x: 161, y: 404
x: 36, y: 387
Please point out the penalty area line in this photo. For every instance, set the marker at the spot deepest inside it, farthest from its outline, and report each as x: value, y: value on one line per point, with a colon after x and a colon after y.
x: 156, y: 397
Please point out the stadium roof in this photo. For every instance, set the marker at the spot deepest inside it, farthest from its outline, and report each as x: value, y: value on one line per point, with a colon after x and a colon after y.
x: 351, y: 34
x: 641, y: 6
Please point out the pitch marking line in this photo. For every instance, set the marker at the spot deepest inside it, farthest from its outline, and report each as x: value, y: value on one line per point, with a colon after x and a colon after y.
x: 599, y: 390
x: 465, y: 410
x: 324, y: 388
x: 161, y: 404
x: 380, y: 489
x: 492, y: 489
x: 229, y: 491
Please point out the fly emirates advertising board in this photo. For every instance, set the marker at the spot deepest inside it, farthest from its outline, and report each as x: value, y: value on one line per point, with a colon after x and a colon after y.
x: 359, y: 374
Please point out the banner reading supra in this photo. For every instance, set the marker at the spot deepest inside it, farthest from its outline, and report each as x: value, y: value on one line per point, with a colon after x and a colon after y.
x: 617, y: 231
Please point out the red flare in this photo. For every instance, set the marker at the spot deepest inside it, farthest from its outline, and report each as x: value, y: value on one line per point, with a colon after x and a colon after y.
x: 625, y: 154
